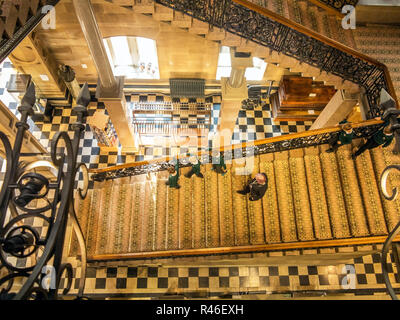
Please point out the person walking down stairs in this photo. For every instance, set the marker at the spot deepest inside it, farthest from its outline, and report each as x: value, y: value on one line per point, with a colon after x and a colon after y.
x: 256, y: 187
x: 196, y: 168
x: 173, y: 178
x: 344, y: 137
x: 383, y: 137
x: 218, y: 164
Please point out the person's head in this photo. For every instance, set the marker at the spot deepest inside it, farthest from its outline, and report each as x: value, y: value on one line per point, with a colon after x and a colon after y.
x: 261, y: 178
x: 215, y: 153
x: 171, y: 170
x: 193, y: 160
x: 347, y: 128
x: 388, y: 131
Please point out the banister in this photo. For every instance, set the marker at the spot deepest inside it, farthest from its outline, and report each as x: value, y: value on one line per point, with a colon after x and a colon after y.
x: 311, y: 33
x: 242, y: 145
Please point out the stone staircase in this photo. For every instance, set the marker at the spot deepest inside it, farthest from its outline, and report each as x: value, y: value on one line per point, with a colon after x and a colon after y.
x: 312, y: 196
x: 299, y: 11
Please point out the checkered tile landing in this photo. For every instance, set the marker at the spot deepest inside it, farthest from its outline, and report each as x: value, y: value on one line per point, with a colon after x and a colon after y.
x: 281, y: 272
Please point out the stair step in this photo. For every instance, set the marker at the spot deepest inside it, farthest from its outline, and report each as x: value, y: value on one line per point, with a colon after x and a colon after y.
x: 334, y: 195
x: 254, y: 209
x: 285, y: 198
x: 162, y: 13
x: 211, y: 207
x: 351, y: 191
x: 199, y: 27
x: 23, y: 12
x: 161, y: 209
x: 270, y: 201
x: 370, y: 191
x: 11, y: 20
x: 144, y: 7
x: 300, y: 196
x: 312, y: 195
x: 81, y: 209
x: 241, y: 220
x: 226, y: 219
x: 173, y: 218
x: 185, y: 210
x: 316, y: 190
x: 391, y: 208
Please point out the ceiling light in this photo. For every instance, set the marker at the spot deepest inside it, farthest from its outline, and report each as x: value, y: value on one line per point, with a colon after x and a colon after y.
x: 312, y: 95
x: 44, y: 77
x: 84, y: 66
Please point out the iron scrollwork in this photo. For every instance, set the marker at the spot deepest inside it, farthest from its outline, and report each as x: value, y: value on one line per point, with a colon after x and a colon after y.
x: 28, y: 251
x: 263, y: 30
x: 237, y: 152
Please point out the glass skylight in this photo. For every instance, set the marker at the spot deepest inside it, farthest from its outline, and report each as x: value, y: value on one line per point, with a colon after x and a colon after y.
x: 133, y: 57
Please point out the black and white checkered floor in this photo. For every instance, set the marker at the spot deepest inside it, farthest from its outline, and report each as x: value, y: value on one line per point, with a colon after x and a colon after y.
x: 208, y: 279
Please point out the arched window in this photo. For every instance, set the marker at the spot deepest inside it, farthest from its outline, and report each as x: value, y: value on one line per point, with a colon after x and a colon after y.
x: 133, y: 57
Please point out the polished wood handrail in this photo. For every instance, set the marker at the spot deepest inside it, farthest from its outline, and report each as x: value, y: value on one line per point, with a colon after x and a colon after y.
x: 242, y: 145
x: 241, y: 249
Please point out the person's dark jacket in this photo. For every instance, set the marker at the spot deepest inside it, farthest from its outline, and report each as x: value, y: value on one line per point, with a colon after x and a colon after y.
x: 257, y: 190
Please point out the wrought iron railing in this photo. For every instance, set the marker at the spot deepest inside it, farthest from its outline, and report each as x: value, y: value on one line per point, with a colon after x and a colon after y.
x: 335, y: 5
x: 268, y: 29
x: 26, y: 254
x: 238, y: 151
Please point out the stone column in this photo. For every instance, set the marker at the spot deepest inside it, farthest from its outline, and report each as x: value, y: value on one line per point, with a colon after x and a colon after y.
x: 337, y: 109
x: 234, y: 91
x: 109, y: 88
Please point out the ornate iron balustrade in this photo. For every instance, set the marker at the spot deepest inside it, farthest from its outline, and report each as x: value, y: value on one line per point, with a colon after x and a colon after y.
x: 261, y: 26
x: 14, y: 9
x: 270, y: 145
x: 19, y: 239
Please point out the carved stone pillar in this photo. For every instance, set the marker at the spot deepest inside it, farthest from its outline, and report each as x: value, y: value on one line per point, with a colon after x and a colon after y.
x: 109, y: 87
x: 234, y: 91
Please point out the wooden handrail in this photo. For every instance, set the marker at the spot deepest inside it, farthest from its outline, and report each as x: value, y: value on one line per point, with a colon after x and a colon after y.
x: 241, y: 249
x: 242, y: 145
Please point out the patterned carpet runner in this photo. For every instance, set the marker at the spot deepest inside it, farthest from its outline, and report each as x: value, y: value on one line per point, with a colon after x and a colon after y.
x: 312, y: 195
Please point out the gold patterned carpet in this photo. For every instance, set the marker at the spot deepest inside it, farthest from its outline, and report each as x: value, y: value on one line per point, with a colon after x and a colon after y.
x: 312, y: 195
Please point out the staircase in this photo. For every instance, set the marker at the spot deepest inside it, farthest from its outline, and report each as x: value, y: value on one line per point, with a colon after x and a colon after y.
x: 313, y: 199
x: 17, y: 20
x: 302, y: 12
